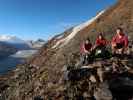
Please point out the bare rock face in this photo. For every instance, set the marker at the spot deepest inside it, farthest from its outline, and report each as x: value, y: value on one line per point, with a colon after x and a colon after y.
x: 115, y: 84
x: 44, y: 76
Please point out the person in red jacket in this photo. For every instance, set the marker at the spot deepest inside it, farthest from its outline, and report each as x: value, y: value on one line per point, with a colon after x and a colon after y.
x: 85, y: 50
x: 119, y: 42
x: 100, y: 49
x: 86, y: 47
x: 100, y: 41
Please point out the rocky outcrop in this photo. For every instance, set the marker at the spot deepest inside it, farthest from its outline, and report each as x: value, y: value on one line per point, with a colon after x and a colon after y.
x: 96, y: 81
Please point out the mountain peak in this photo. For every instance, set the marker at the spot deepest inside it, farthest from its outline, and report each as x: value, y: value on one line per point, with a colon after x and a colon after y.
x: 10, y: 39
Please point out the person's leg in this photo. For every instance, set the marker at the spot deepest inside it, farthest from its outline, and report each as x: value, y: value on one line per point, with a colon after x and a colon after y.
x: 114, y: 49
x: 86, y: 59
x: 93, y: 51
x: 121, y: 48
x: 90, y: 57
x: 105, y: 53
x: 82, y: 59
x: 120, y: 51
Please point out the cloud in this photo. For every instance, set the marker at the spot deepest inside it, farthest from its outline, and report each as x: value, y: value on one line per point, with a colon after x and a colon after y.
x: 64, y: 25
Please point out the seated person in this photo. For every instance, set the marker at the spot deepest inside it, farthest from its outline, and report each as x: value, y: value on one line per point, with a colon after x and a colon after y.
x: 85, y: 51
x: 86, y: 46
x: 100, y: 46
x: 119, y: 42
x: 101, y: 42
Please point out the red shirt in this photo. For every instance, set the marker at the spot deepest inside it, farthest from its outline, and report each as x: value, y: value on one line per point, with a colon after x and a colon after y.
x: 122, y: 40
x: 85, y: 46
x: 101, y: 42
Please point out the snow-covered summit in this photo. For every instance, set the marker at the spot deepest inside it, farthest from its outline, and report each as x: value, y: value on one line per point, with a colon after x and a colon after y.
x: 11, y: 39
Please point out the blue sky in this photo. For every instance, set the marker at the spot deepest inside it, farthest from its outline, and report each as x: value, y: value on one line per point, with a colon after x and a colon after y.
x: 32, y: 19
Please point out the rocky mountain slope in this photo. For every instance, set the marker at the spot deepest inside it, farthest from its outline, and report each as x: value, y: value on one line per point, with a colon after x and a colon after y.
x: 47, y: 76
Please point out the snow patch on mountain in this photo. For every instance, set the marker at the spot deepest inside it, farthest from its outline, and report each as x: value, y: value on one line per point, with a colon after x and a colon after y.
x: 60, y: 36
x: 10, y: 39
x: 24, y: 53
x: 58, y: 43
x: 76, y: 29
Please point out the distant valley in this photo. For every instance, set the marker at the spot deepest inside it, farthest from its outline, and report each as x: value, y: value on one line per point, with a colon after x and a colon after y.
x: 14, y: 51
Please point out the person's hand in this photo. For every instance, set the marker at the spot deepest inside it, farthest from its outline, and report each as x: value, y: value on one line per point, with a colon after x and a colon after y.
x: 85, y: 51
x: 91, y: 49
x: 94, y: 46
x: 125, y: 49
x: 113, y: 45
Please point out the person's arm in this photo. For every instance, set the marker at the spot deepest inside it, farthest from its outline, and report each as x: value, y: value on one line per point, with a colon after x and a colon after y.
x: 95, y: 45
x: 126, y: 41
x: 105, y: 42
x: 97, y: 42
x: 113, y: 42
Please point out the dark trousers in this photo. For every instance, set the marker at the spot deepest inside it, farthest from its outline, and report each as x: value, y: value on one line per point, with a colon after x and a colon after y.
x: 86, y: 58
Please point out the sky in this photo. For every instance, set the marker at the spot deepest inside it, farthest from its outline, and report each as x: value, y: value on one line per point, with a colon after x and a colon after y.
x: 33, y: 19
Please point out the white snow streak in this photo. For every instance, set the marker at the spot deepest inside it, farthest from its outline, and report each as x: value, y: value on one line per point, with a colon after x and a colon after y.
x: 77, y: 29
